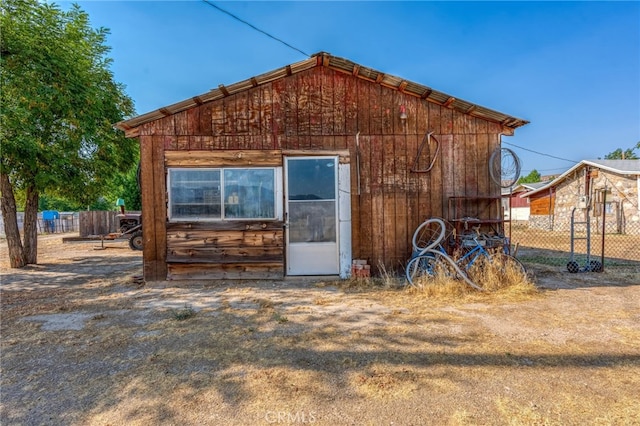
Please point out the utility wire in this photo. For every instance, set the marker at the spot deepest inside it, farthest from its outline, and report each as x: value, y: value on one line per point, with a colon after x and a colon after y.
x: 541, y: 153
x: 254, y: 27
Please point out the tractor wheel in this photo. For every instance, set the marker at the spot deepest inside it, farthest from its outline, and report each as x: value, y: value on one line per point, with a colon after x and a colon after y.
x: 135, y: 242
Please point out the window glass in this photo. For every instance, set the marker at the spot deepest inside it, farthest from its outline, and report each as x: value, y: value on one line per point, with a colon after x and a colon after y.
x: 315, y: 179
x: 195, y: 194
x: 215, y: 194
x: 312, y: 221
x: 249, y: 193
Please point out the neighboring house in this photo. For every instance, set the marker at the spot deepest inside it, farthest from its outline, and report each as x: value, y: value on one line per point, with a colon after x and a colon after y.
x: 612, y: 185
x: 303, y: 169
x: 516, y: 207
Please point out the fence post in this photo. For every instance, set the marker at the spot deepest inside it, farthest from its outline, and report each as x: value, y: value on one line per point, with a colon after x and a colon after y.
x: 604, y: 224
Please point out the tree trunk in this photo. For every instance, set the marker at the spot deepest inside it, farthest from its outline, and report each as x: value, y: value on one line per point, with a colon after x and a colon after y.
x: 31, y: 226
x: 9, y: 214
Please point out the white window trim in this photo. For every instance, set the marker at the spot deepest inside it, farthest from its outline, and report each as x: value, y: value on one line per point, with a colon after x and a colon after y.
x: 277, y: 193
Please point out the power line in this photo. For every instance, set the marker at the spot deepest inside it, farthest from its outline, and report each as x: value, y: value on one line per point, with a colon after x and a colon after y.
x: 254, y: 27
x: 541, y: 153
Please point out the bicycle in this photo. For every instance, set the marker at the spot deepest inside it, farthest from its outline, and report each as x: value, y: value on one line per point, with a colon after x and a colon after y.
x: 432, y: 259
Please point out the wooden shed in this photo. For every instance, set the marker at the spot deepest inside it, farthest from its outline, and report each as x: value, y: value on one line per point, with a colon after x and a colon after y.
x: 303, y: 169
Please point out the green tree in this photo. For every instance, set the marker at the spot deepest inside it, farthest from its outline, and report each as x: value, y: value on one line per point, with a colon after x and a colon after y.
x: 620, y: 154
x: 58, y: 102
x: 532, y: 177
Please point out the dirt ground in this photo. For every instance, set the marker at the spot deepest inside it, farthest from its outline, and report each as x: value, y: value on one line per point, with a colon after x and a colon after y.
x: 84, y: 342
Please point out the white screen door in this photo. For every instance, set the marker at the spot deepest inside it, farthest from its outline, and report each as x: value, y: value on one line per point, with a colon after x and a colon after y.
x: 311, y: 208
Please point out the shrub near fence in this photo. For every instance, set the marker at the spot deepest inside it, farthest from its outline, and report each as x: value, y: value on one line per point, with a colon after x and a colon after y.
x: 553, y: 247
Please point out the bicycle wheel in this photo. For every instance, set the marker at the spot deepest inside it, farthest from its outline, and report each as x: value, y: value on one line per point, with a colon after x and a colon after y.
x: 428, y: 235
x: 434, y: 263
x: 504, y: 167
x: 419, y: 269
x: 512, y: 264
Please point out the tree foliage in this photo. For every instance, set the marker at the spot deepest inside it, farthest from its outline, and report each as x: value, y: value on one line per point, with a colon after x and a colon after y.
x: 59, y: 101
x: 620, y: 154
x: 532, y: 177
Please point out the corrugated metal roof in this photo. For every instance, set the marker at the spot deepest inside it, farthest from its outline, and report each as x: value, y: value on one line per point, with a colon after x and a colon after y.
x: 622, y: 167
x: 522, y: 186
x: 338, y: 64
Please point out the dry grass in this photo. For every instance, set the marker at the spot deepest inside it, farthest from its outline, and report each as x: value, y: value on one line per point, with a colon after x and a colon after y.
x: 500, y: 279
x: 354, y: 352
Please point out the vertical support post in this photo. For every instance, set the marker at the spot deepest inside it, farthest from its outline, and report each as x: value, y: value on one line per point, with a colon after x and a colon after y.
x: 604, y: 226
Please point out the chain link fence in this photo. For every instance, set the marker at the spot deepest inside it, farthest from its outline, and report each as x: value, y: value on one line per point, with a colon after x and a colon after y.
x: 586, y: 248
x: 61, y: 222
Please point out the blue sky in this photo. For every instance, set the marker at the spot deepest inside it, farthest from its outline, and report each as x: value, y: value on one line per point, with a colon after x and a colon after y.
x: 571, y: 68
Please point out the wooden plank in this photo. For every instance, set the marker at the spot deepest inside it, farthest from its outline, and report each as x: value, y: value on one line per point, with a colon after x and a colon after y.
x: 290, y: 100
x: 171, y: 142
x: 304, y: 90
x: 363, y: 105
x: 193, y: 121
x: 266, y: 117
x: 168, y: 126
x: 149, y: 254
x: 205, y: 119
x: 375, y: 109
x: 217, y: 118
x: 494, y: 143
x: 315, y: 102
x: 159, y: 207
x: 482, y: 164
x: 278, y: 114
x: 355, y: 207
x: 401, y: 201
x: 458, y: 166
x: 446, y: 121
x: 343, y: 153
x: 471, y: 163
x: 182, y: 143
x: 389, y: 110
x: 376, y: 164
x: 229, y: 108
x: 415, y: 191
x: 254, y: 108
x: 317, y: 144
x: 351, y: 105
x: 326, y: 101
x: 207, y: 142
x: 181, y: 123
x: 207, y: 271
x: 365, y: 202
x: 235, y: 225
x: 221, y: 256
x: 448, y: 183
x: 435, y: 124
x: 390, y: 188
x: 242, y: 115
x: 378, y: 230
x: 199, y: 239
x: 254, y: 158
x: 339, y: 107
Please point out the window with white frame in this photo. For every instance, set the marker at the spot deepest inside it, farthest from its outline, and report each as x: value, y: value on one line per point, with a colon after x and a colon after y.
x: 221, y: 194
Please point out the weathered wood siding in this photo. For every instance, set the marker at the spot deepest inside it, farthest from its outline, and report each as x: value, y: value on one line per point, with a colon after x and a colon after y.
x: 542, y: 204
x: 320, y: 109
